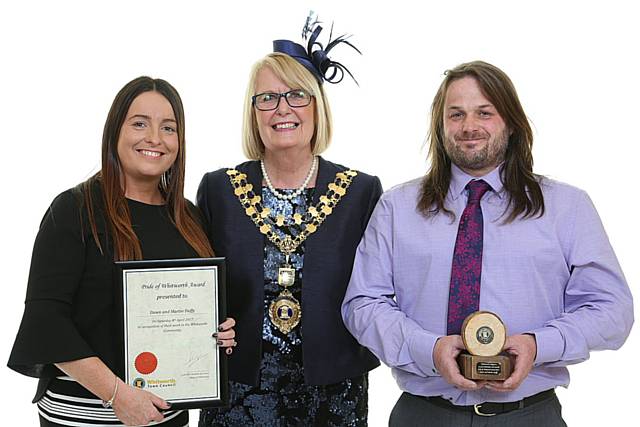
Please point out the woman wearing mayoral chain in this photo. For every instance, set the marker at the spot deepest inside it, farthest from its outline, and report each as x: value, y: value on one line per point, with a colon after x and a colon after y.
x: 132, y: 209
x: 289, y: 222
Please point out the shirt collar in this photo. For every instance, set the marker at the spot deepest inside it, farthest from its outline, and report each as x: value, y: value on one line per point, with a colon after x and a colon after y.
x: 459, y: 180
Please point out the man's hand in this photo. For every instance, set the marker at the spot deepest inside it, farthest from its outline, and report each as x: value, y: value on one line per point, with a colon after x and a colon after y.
x: 524, y: 348
x: 445, y: 353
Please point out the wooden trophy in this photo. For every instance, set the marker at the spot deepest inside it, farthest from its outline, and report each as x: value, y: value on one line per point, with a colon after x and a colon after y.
x: 484, y: 335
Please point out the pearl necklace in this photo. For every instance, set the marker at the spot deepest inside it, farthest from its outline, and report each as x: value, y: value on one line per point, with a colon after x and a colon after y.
x: 300, y: 189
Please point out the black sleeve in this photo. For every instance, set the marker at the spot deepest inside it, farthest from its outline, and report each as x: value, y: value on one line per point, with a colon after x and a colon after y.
x: 375, y: 191
x: 47, y: 334
x: 202, y: 201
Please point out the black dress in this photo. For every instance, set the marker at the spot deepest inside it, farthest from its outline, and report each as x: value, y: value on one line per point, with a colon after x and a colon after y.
x: 282, y: 398
x: 70, y: 305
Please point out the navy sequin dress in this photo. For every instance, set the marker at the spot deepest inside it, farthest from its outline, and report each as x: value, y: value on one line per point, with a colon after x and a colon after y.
x: 282, y: 398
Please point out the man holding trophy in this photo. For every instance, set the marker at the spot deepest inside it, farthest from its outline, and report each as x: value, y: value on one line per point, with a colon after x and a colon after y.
x: 481, y: 281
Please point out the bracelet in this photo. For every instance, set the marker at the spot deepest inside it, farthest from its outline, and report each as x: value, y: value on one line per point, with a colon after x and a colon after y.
x: 109, y: 403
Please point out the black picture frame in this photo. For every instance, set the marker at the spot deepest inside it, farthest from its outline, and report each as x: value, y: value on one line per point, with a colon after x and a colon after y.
x: 168, y: 320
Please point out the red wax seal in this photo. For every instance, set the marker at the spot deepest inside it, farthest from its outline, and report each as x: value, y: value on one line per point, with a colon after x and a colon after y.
x: 146, y: 362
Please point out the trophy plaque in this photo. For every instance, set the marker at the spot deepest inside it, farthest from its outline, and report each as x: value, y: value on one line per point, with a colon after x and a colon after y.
x: 484, y: 335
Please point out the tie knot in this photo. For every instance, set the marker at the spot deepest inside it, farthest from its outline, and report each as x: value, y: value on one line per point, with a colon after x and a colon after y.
x: 477, y: 188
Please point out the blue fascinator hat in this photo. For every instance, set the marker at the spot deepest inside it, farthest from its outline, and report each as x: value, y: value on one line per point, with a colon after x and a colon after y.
x: 315, y: 57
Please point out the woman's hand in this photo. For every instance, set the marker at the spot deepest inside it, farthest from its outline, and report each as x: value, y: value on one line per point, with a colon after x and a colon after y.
x: 131, y: 405
x: 226, y: 335
x: 135, y: 407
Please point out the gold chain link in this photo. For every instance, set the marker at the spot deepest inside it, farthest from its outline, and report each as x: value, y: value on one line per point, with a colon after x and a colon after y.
x: 312, y: 219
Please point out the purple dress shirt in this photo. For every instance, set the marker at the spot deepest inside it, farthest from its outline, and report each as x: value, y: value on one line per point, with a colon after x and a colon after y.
x: 554, y: 276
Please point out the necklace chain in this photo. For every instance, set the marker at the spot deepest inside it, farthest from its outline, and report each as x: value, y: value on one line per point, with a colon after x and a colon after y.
x: 314, y: 217
x: 299, y: 190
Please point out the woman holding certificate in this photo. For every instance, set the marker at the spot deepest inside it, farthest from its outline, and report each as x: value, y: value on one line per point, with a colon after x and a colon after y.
x: 132, y: 209
x: 288, y: 223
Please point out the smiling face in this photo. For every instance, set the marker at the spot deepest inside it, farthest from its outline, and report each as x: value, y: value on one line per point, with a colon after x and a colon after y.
x: 148, y: 142
x: 475, y: 135
x: 285, y: 128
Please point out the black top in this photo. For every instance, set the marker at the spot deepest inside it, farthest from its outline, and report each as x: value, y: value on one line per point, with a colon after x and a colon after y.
x: 70, y: 310
x: 330, y: 353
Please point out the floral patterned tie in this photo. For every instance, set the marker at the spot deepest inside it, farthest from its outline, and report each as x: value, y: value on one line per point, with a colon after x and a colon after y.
x: 464, y: 289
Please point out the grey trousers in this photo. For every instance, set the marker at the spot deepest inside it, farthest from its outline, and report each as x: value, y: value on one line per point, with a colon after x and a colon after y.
x: 413, y: 410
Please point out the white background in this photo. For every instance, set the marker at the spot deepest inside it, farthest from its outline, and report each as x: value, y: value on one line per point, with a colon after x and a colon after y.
x: 574, y: 64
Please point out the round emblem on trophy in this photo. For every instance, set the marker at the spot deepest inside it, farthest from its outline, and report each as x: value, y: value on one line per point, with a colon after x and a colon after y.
x: 483, y: 334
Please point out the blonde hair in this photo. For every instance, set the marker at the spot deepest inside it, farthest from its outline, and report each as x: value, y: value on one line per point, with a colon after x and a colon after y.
x: 296, y: 76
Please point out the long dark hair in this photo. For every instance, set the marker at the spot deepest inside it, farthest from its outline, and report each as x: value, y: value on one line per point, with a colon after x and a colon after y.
x: 126, y: 245
x: 521, y: 184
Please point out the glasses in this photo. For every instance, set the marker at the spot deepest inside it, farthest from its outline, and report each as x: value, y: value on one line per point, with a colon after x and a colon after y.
x: 269, y: 101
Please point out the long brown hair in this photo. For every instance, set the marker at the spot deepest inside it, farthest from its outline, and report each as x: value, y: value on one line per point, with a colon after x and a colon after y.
x: 126, y: 245
x: 521, y: 184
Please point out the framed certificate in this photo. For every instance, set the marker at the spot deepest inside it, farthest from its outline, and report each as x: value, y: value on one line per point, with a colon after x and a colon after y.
x: 170, y: 309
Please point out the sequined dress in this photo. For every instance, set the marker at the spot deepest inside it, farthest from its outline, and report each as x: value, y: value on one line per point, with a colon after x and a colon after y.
x: 282, y: 398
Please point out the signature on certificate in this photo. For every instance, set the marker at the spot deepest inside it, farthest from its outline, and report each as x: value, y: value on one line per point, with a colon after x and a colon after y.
x: 196, y: 360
